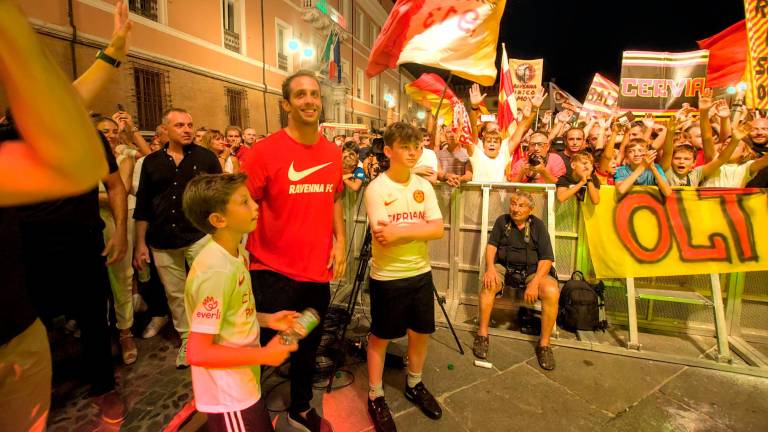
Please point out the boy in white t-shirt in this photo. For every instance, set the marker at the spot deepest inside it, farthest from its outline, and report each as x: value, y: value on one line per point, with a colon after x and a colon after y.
x: 489, y: 164
x: 403, y: 214
x: 223, y: 347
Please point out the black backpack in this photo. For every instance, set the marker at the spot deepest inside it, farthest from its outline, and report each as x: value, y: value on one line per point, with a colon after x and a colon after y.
x: 580, y: 304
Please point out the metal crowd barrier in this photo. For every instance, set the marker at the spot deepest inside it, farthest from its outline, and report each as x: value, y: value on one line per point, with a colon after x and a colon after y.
x: 457, y: 260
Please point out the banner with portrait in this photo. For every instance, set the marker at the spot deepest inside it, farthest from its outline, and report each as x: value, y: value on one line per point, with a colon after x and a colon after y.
x: 661, y: 82
x: 693, y: 231
x: 526, y: 77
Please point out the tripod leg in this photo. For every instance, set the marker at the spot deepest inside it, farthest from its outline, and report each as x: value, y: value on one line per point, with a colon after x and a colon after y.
x: 445, y: 314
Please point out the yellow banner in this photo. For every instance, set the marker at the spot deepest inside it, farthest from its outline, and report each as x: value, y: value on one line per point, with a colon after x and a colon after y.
x: 699, y: 231
x: 526, y: 77
x: 756, y: 12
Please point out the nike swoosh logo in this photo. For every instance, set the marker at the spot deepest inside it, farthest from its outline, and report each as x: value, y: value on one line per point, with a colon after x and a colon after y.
x: 294, y: 175
x: 387, y: 203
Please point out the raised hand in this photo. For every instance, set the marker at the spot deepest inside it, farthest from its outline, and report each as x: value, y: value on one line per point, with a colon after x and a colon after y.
x: 563, y: 116
x: 475, y: 97
x: 538, y: 98
x: 649, y: 159
x: 722, y: 109
x: 121, y: 29
x: 649, y: 121
x: 741, y: 132
x: 705, y: 100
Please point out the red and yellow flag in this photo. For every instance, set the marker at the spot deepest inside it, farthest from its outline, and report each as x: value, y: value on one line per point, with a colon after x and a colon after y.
x: 427, y: 91
x: 757, y: 26
x: 727, y: 55
x: 507, y: 101
x: 456, y: 35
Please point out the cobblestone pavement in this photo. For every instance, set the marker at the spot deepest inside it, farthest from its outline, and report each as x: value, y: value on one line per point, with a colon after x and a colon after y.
x: 588, y: 391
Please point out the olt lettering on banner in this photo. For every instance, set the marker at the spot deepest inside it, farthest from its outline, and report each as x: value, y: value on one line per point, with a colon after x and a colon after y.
x: 756, y: 12
x: 651, y: 236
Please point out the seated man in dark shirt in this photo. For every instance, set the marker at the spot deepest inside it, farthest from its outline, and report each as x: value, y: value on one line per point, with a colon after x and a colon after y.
x: 519, y: 254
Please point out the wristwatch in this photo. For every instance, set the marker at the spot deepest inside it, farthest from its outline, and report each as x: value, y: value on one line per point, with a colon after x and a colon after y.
x: 101, y: 55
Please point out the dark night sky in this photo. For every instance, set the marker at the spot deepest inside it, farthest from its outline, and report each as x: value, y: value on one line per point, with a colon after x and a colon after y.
x: 580, y: 37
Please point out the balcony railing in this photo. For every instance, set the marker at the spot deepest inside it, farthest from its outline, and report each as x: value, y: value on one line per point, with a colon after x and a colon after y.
x: 282, y: 62
x: 231, y: 41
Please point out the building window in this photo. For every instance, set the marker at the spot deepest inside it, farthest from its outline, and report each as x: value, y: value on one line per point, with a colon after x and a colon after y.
x: 345, y: 10
x: 360, y: 27
x: 145, y: 8
x: 374, y: 90
x: 152, y: 92
x: 283, y: 34
x: 374, y: 33
x: 359, y: 83
x: 231, y: 24
x: 346, y: 74
x: 237, y: 106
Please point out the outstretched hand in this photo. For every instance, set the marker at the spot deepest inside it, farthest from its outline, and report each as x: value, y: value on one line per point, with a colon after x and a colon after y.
x: 538, y: 98
x: 475, y: 97
x: 121, y: 29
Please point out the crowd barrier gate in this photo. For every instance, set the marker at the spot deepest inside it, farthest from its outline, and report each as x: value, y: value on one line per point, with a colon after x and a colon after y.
x: 457, y: 261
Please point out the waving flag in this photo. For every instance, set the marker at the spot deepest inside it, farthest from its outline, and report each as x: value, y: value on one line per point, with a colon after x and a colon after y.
x: 456, y: 35
x: 727, y: 55
x: 426, y: 91
x: 507, y: 101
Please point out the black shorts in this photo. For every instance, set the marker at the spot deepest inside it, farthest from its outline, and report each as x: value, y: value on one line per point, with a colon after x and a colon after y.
x: 402, y: 304
x: 254, y: 418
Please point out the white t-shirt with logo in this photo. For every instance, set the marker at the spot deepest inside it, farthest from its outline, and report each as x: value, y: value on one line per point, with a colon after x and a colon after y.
x: 219, y: 301
x: 487, y: 169
x: 729, y: 175
x: 400, y: 204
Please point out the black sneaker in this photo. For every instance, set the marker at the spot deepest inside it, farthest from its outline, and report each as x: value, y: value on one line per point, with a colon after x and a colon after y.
x: 480, y: 346
x: 546, y: 357
x: 420, y: 396
x: 380, y: 415
x: 312, y: 423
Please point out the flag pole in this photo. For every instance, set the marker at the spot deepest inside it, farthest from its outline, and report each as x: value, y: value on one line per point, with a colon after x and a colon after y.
x: 442, y: 96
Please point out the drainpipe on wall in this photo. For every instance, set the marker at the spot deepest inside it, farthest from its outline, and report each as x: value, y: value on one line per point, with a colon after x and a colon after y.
x: 71, y: 13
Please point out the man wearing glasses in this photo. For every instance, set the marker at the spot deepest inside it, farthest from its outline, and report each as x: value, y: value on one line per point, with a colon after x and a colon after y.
x: 538, y: 165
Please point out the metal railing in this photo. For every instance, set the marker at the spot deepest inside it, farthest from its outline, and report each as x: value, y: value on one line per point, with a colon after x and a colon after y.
x: 457, y: 260
x: 232, y: 40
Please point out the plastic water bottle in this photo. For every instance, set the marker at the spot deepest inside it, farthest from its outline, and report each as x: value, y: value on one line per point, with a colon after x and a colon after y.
x: 144, y: 274
x: 302, y: 327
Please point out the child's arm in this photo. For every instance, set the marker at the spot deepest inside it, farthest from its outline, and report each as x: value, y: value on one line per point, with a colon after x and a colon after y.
x: 705, y: 103
x: 389, y: 235
x: 594, y: 192
x: 525, y: 123
x: 661, y: 181
x: 669, y: 143
x: 427, y: 173
x: 565, y: 193
x: 204, y: 352
x: 758, y: 165
x: 475, y: 99
x: 352, y: 183
x: 736, y: 136
x: 624, y: 186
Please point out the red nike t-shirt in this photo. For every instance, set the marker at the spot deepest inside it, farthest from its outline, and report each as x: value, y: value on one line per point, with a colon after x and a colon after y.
x: 294, y: 185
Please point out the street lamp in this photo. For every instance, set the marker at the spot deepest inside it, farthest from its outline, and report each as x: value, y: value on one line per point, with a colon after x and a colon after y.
x: 421, y: 115
x: 293, y: 45
x: 389, y: 100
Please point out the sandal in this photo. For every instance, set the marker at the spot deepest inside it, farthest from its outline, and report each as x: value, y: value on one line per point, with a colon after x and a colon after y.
x: 128, y: 348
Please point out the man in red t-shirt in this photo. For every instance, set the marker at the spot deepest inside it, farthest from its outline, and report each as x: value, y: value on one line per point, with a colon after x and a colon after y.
x: 295, y: 177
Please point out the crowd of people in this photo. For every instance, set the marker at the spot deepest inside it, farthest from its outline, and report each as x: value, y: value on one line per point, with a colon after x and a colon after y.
x: 214, y: 231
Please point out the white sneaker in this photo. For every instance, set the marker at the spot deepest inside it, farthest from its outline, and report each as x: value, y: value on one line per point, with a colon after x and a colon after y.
x: 154, y: 326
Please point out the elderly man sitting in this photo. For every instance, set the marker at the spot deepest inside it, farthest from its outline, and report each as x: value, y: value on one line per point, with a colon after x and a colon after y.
x: 519, y: 254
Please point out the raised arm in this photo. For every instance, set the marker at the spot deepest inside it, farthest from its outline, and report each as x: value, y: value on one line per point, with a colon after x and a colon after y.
x: 90, y: 84
x: 737, y: 135
x: 705, y: 103
x: 475, y: 99
x: 669, y: 143
x: 59, y: 152
x: 525, y: 124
